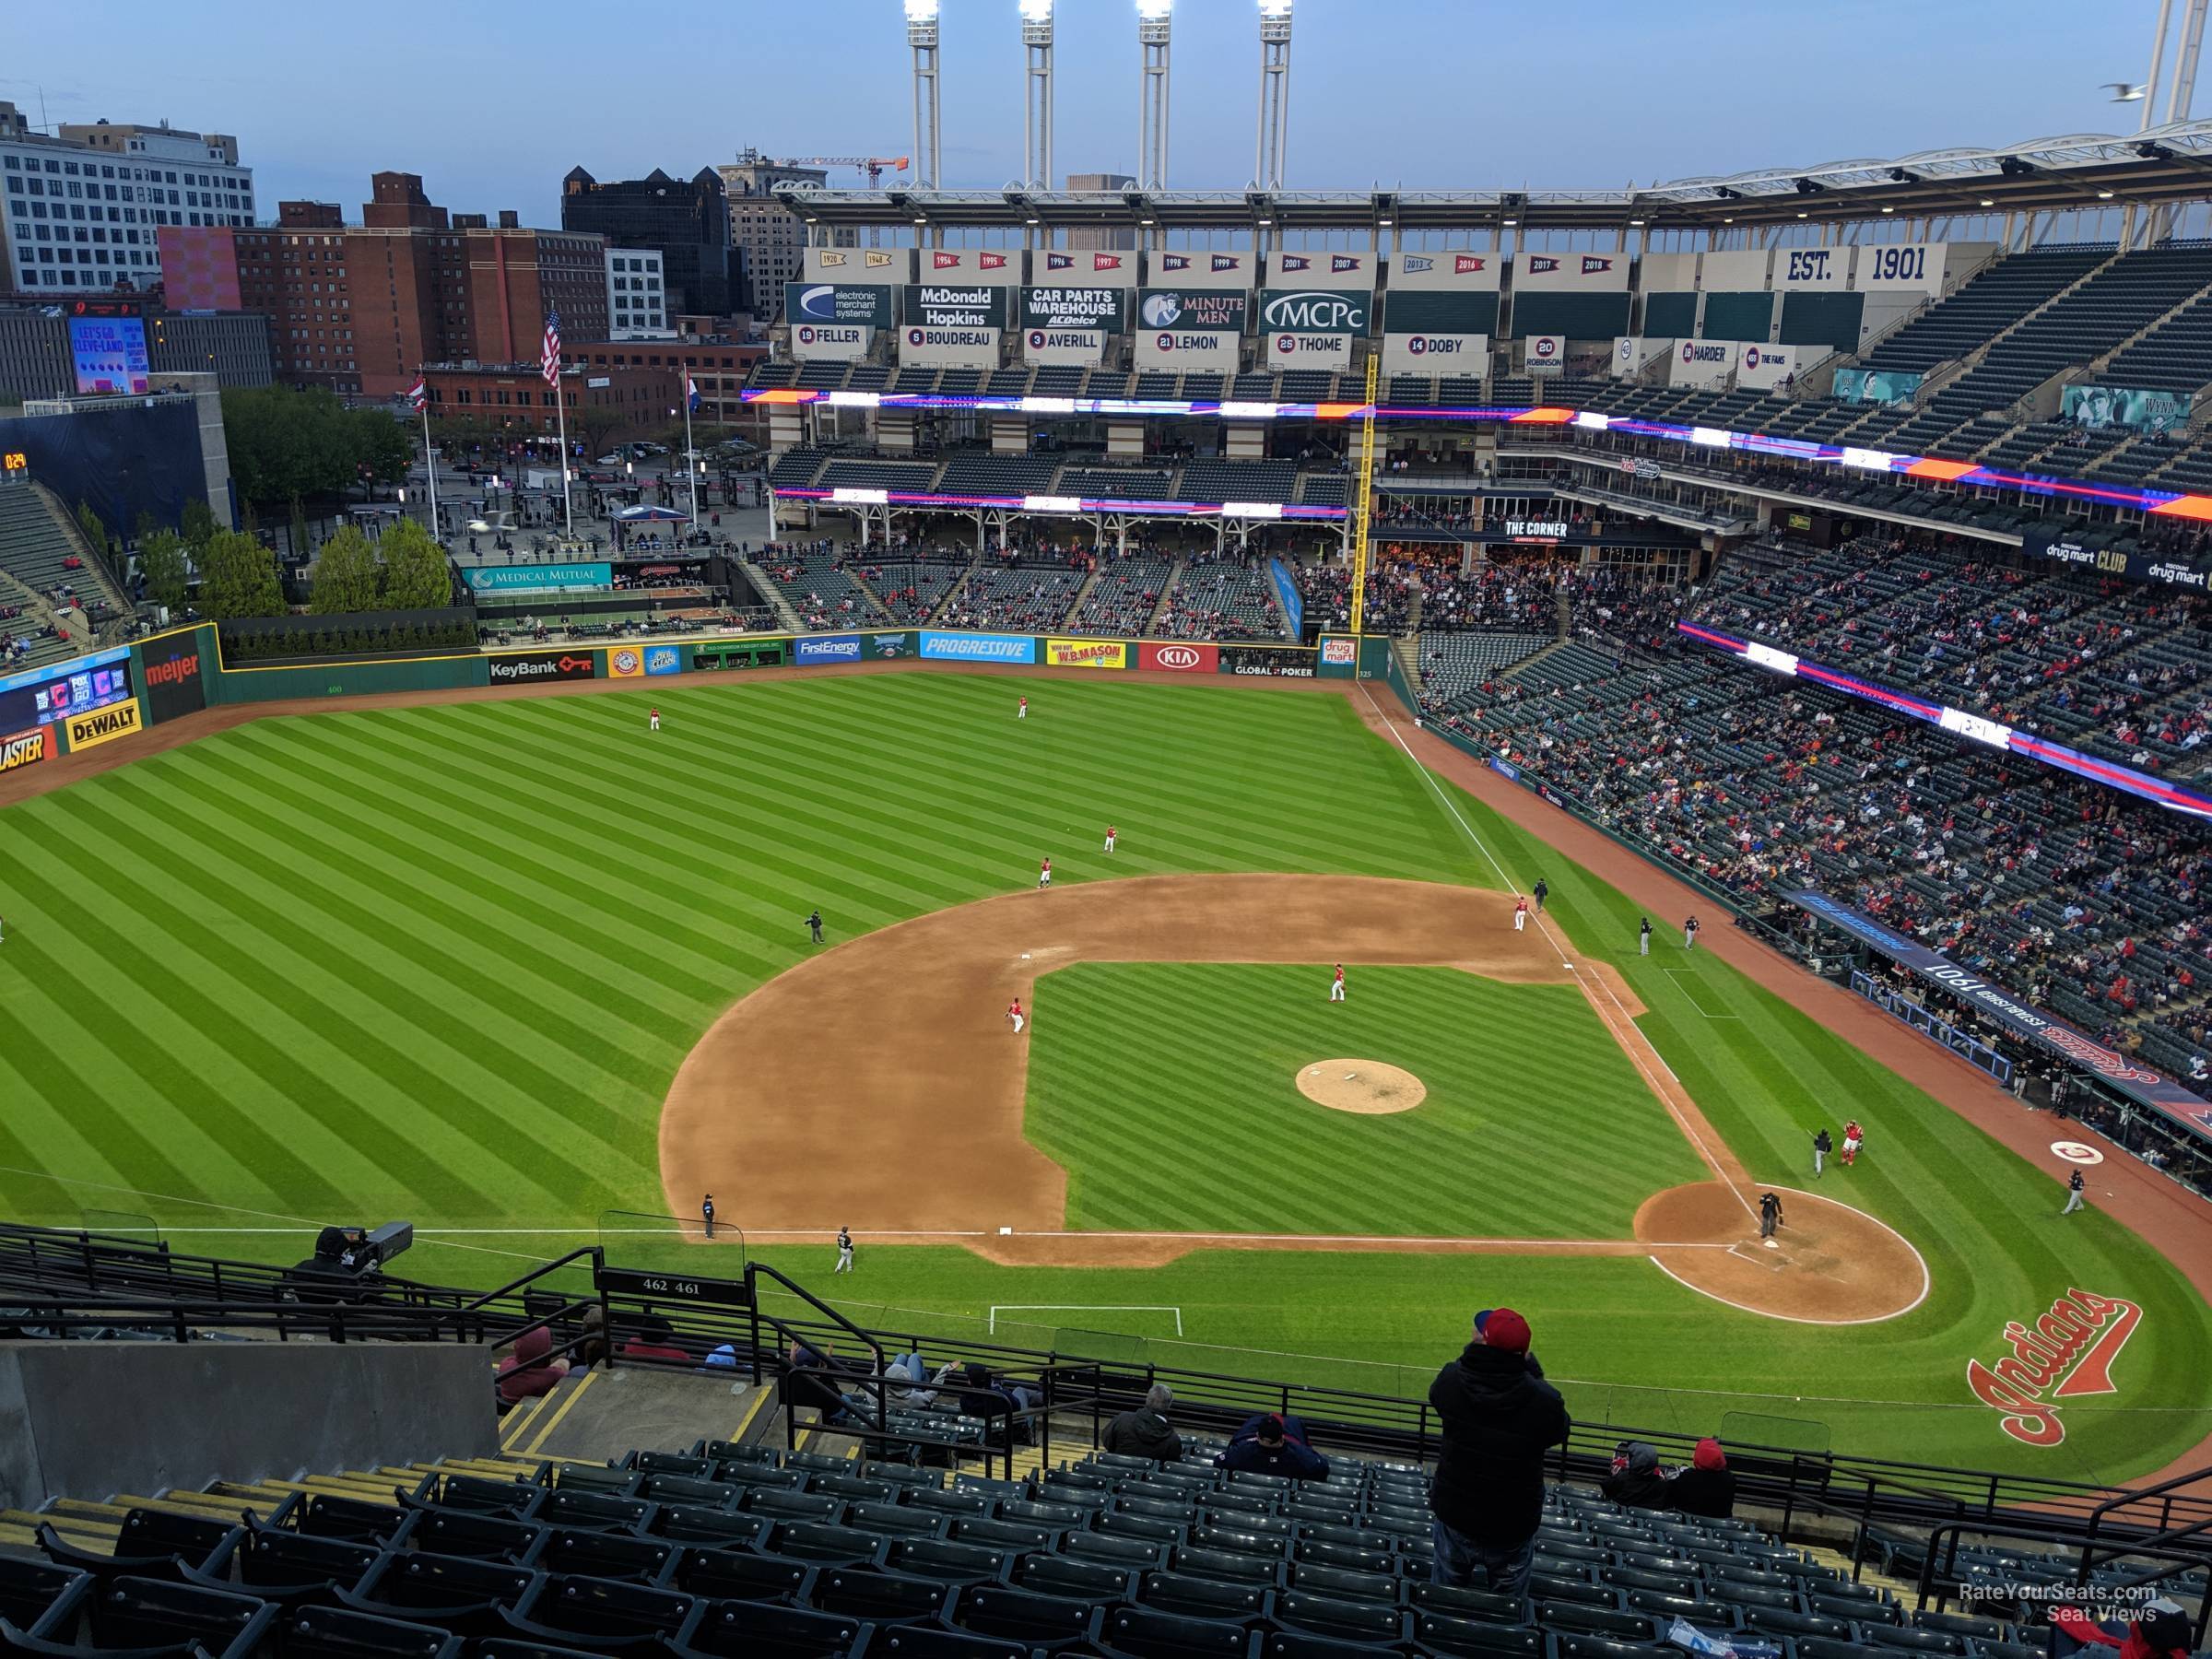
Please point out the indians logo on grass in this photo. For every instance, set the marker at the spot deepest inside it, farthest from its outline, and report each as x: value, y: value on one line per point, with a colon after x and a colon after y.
x: 2068, y: 1352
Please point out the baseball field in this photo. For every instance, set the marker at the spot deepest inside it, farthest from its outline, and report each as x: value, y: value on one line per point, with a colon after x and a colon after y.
x: 531, y: 976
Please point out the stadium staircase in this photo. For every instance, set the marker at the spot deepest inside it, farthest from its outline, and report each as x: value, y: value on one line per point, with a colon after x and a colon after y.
x: 98, y: 572
x: 1075, y: 603
x: 765, y: 585
x: 952, y: 595
x: 1167, y: 593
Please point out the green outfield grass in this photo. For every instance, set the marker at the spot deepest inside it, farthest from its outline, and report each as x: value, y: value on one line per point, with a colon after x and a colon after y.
x: 443, y: 962
x: 1131, y: 1063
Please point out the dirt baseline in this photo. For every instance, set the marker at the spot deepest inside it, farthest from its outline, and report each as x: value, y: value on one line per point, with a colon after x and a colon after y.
x: 879, y: 1084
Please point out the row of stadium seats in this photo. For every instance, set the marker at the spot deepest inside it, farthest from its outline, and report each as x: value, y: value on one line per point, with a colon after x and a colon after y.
x: 974, y: 474
x: 739, y: 1549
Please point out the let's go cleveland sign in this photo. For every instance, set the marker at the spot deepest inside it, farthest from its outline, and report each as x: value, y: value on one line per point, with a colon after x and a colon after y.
x: 2067, y: 1353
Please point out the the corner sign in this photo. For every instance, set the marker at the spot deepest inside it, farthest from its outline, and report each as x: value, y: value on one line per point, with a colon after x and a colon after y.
x: 2066, y: 1353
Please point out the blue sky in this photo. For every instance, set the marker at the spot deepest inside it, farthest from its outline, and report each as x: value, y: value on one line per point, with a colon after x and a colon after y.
x: 492, y: 102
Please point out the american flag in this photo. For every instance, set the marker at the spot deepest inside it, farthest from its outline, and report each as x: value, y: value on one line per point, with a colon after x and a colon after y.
x: 549, y: 365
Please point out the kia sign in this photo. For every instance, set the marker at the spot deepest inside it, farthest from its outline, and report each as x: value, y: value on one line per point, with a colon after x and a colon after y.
x: 1178, y: 658
x: 1314, y: 311
x: 529, y: 666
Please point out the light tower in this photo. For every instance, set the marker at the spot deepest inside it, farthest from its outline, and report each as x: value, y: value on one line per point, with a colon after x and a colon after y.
x: 921, y: 35
x: 1275, y: 93
x: 1152, y: 26
x: 1037, y: 94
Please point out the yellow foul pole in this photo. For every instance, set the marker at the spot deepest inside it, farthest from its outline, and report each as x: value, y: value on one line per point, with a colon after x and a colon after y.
x: 1364, y: 499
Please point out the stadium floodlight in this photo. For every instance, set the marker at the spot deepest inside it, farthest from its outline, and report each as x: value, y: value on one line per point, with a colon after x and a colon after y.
x: 1988, y: 203
x: 1274, y: 134
x: 1036, y: 93
x: 922, y: 11
x: 1154, y: 28
x: 1275, y: 8
x: 1036, y: 11
x: 2104, y: 195
x: 1887, y: 209
x: 922, y: 36
x: 1154, y: 11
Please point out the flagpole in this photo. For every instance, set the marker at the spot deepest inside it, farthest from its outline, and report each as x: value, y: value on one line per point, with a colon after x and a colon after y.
x: 690, y: 452
x: 430, y: 459
x: 561, y: 413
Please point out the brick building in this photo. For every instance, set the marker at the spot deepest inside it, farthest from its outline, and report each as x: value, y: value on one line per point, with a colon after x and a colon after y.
x: 605, y: 405
x: 362, y: 308
x: 719, y: 368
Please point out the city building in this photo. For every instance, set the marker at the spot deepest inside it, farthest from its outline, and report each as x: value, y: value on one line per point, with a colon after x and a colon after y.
x: 80, y: 209
x: 36, y: 361
x: 718, y: 367
x: 769, y: 237
x: 637, y: 301
x: 1101, y: 239
x: 687, y: 224
x: 605, y: 405
x: 362, y: 308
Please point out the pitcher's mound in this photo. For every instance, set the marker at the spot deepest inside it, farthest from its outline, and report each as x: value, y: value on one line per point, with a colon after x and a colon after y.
x: 1367, y: 1087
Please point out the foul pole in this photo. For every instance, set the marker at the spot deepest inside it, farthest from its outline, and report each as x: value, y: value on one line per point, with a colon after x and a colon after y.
x: 1364, y: 499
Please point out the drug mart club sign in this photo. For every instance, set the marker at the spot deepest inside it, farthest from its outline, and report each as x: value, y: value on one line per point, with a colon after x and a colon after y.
x: 2066, y: 1354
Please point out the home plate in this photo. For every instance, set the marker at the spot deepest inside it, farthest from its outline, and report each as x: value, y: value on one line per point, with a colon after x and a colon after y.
x: 1772, y: 1244
x: 1005, y: 1232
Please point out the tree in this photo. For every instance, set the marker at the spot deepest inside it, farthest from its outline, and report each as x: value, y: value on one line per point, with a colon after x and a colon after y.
x: 238, y: 578
x: 161, y: 562
x: 595, y: 425
x: 347, y: 576
x: 199, y: 523
x: 94, y: 528
x: 299, y: 531
x: 417, y: 574
x: 378, y: 447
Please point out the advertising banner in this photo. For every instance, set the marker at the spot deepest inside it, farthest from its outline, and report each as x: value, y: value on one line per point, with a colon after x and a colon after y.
x: 1287, y: 594
x: 25, y: 748
x: 46, y: 696
x: 2124, y: 1072
x: 1591, y: 273
x: 173, y: 682
x: 1632, y: 352
x: 1813, y: 268
x: 625, y: 661
x: 857, y: 305
x: 1466, y: 272
x: 978, y: 647
x: 1177, y: 658
x: 833, y: 340
x: 1083, y: 347
x: 1875, y: 385
x: 2146, y: 411
x: 965, y: 348
x: 663, y: 659
x: 993, y: 267
x: 1545, y: 354
x: 527, y: 667
x: 1764, y: 367
x: 1340, y: 651
x: 1436, y: 353
x: 1308, y: 351
x: 1102, y: 308
x: 101, y: 726
x: 942, y: 305
x: 1918, y: 267
x: 563, y: 578
x: 889, y: 645
x: 1206, y: 270
x: 1185, y: 311
x: 893, y: 266
x: 1335, y: 270
x: 1268, y: 661
x: 1112, y: 270
x: 110, y: 356
x: 1705, y: 363
x: 1315, y: 310
x: 1086, y: 654
x: 826, y: 648
x: 1215, y: 348
x: 2038, y: 542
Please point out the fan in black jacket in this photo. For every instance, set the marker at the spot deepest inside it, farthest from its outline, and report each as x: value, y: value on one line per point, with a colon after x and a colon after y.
x: 1498, y: 1417
x: 1707, y: 1486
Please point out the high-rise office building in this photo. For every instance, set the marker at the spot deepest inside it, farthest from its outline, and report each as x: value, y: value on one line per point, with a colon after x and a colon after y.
x: 688, y: 223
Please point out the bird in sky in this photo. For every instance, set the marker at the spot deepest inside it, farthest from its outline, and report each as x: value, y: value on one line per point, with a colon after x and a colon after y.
x: 2126, y: 91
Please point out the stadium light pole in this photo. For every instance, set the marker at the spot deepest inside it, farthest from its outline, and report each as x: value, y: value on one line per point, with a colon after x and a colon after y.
x: 1037, y: 94
x: 922, y: 36
x: 1154, y: 18
x: 1275, y: 93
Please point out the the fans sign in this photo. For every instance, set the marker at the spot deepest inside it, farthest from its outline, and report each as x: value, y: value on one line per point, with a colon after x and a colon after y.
x: 2066, y: 1353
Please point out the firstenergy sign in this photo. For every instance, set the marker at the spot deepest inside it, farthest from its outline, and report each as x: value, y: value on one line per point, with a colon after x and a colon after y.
x: 2066, y: 1353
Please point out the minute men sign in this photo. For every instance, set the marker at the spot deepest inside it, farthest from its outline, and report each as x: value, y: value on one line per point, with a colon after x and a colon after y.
x: 970, y: 305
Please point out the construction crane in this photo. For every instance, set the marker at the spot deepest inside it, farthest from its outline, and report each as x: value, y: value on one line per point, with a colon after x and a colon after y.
x: 872, y: 165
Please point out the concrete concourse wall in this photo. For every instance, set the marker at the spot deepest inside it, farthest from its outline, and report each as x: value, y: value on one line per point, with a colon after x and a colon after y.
x: 85, y: 1419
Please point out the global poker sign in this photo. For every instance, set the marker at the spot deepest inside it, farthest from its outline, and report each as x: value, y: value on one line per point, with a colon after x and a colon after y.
x: 2067, y: 1353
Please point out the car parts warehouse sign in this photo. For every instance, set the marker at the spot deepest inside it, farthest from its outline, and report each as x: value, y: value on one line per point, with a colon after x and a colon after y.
x: 1069, y: 307
x: 2066, y: 1353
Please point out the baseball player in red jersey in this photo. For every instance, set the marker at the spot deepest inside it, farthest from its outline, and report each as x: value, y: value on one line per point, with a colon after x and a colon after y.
x: 1022, y: 712
x: 656, y: 719
x: 1520, y: 914
x: 1853, y: 1136
x: 1044, y: 875
x: 1014, y: 1015
x: 1336, y: 985
x: 1110, y: 833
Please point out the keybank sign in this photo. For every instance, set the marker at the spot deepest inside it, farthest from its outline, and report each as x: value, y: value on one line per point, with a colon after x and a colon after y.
x: 1314, y: 311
